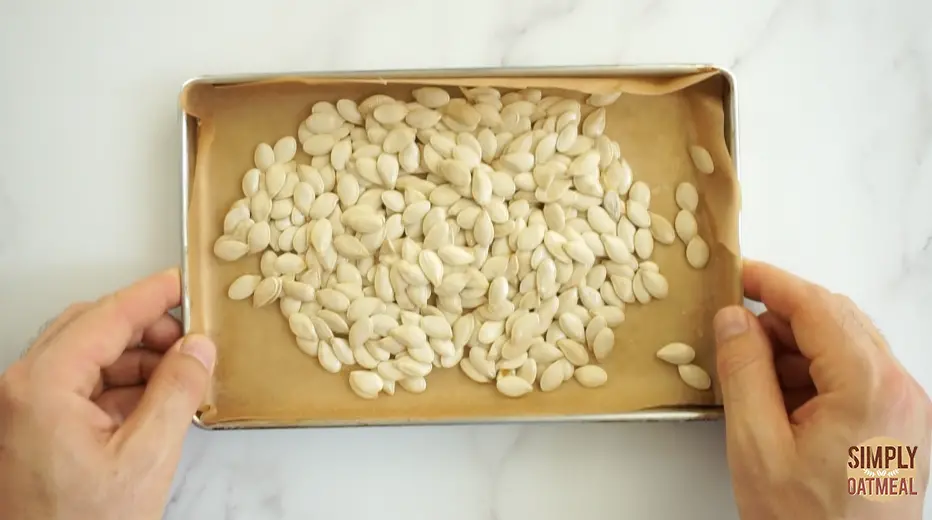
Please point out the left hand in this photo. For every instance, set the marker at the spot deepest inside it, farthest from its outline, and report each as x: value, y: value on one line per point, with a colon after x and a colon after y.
x: 93, y: 417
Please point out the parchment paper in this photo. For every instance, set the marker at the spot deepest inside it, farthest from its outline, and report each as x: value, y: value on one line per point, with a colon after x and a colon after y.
x: 263, y: 379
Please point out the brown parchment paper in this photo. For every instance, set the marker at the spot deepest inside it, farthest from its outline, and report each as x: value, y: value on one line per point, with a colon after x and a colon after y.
x: 263, y: 379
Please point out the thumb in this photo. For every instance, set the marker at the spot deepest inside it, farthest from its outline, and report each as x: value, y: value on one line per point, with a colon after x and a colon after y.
x: 750, y: 389
x: 173, y: 395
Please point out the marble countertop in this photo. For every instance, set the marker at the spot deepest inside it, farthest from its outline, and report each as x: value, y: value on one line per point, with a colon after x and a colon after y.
x: 835, y: 108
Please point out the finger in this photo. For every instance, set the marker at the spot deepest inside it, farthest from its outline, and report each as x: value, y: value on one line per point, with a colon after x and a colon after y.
x: 783, y: 293
x: 134, y: 367
x: 752, y: 398
x: 98, y: 337
x: 823, y: 333
x: 793, y: 371
x: 162, y: 334
x: 172, y: 397
x: 779, y: 332
x: 119, y: 403
x: 55, y: 325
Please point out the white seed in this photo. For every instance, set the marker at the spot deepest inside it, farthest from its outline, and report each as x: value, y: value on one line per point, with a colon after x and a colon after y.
x: 702, y: 159
x: 309, y: 347
x: 591, y: 376
x: 544, y: 353
x: 697, y: 252
x: 349, y: 111
x: 640, y: 292
x: 552, y: 377
x: 519, y: 161
x: 601, y: 100
x: 580, y: 252
x: 390, y: 113
x: 528, y: 371
x: 655, y: 284
x: 365, y: 383
x: 603, y: 344
x: 243, y: 287
x: 513, y: 386
x: 431, y: 97
x: 414, y: 385
x: 593, y: 328
x: 333, y: 300
x: 685, y: 225
x: 640, y: 192
x: 614, y: 316
x: 572, y: 326
x: 574, y: 352
x: 687, y: 197
x: 531, y: 237
x: 600, y: 221
x: 268, y: 290
x: 340, y: 153
x: 618, y: 176
x: 695, y: 376
x: 643, y: 243
x: 264, y: 156
x: 342, y: 351
x: 323, y: 206
x: 319, y: 144
x: 327, y: 359
x: 594, y: 124
x: 436, y: 327
x: 677, y: 353
x: 250, y: 186
x: 467, y: 367
x: 298, y: 290
x: 637, y: 213
x: 409, y: 158
x: 661, y: 229
x: 258, y: 237
x: 455, y: 255
x: 324, y: 122
x: 490, y: 331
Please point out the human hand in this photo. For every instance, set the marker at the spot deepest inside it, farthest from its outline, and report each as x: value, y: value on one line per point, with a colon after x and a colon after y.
x: 801, y: 383
x: 91, y: 424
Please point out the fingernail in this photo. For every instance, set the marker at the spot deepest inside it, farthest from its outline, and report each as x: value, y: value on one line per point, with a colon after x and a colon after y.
x: 200, y: 348
x: 730, y: 322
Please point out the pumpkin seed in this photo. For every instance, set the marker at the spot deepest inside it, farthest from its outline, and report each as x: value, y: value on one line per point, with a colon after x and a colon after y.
x: 513, y: 386
x: 702, y: 159
x: 697, y: 252
x: 695, y: 376
x: 677, y: 353
x: 685, y: 225
x: 591, y: 376
x: 687, y: 197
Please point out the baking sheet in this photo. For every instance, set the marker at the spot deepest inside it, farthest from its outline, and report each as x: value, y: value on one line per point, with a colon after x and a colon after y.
x: 263, y: 379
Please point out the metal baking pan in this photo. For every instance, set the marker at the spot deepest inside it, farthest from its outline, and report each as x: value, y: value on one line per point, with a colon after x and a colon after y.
x: 189, y: 128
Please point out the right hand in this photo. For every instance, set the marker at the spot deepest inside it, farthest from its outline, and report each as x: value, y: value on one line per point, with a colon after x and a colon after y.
x: 801, y: 383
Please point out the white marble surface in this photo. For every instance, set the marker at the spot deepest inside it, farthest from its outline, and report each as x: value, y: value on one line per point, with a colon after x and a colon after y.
x: 836, y: 125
